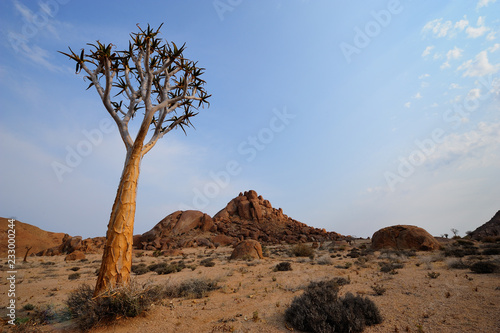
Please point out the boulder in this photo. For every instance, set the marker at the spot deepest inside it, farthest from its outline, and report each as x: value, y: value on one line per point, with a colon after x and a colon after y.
x: 222, y: 240
x: 247, y: 249
x: 401, y: 237
x: 76, y: 255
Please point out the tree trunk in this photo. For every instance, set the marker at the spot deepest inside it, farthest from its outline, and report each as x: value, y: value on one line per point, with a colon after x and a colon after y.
x: 117, y: 257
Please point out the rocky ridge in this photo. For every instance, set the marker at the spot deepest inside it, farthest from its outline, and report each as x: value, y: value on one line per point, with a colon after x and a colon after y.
x: 489, y: 229
x: 248, y: 216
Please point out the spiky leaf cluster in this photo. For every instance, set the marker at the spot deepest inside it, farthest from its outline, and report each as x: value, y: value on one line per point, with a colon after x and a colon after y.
x: 151, y: 74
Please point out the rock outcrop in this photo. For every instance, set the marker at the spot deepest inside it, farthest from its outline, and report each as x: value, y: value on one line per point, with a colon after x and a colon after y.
x: 489, y: 229
x: 247, y: 249
x: 71, y: 244
x: 250, y: 216
x: 401, y: 237
x: 177, y: 230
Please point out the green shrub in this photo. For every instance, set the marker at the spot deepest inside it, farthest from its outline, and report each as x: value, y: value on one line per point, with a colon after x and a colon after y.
x: 209, y: 262
x: 483, y: 267
x: 390, y: 267
x: 129, y: 301
x: 194, y: 288
x: 140, y: 269
x: 491, y: 251
x: 28, y: 307
x: 283, y: 266
x: 378, y: 289
x: 302, y: 250
x: 320, y: 309
x: 457, y: 264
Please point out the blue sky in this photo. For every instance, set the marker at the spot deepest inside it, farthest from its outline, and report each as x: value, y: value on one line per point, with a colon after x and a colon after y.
x: 350, y: 116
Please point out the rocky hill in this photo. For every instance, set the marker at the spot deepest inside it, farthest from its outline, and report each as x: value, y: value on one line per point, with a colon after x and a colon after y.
x: 248, y: 216
x: 28, y: 235
x: 489, y: 229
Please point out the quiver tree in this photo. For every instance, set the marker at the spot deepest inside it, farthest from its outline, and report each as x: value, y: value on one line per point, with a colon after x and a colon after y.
x: 150, y: 81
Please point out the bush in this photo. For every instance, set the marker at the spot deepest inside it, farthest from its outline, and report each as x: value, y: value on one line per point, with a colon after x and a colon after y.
x: 122, y: 302
x: 457, y: 264
x: 491, y: 251
x: 484, y: 267
x: 28, y: 307
x: 378, y: 289
x: 74, y: 269
x: 433, y: 275
x: 164, y: 268
x: 140, y: 269
x: 209, y: 262
x: 195, y: 288
x: 387, y: 267
x: 283, y: 266
x: 74, y: 276
x: 320, y: 309
x: 302, y: 250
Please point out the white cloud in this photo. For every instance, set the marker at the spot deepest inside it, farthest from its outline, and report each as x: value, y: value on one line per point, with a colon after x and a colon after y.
x: 407, y: 105
x: 417, y: 96
x: 454, y: 86
x: 437, y: 56
x: 484, y: 3
x: 491, y: 36
x: 454, y: 54
x: 470, y: 149
x: 434, y: 105
x: 445, y: 65
x: 480, y: 66
x: 480, y: 30
x: 438, y: 27
x: 494, y: 48
x: 423, y: 76
x: 427, y: 51
x: 462, y: 24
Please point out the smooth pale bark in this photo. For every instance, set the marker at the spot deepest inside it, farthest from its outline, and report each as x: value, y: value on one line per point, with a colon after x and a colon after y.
x: 117, y: 257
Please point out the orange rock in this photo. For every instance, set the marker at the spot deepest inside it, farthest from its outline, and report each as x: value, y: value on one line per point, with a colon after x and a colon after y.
x: 76, y: 255
x: 401, y: 237
x: 247, y: 249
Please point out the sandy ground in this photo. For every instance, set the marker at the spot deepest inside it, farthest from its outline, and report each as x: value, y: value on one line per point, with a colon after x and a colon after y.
x: 253, y: 298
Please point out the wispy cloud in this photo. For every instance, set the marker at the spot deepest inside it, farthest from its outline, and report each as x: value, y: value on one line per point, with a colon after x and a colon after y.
x: 438, y: 28
x: 478, y: 147
x: 462, y: 24
x: 475, y: 32
x: 484, y: 3
x: 427, y: 51
x: 479, y: 66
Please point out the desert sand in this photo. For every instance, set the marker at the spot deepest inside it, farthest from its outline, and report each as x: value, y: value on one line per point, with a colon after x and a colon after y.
x: 253, y: 297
